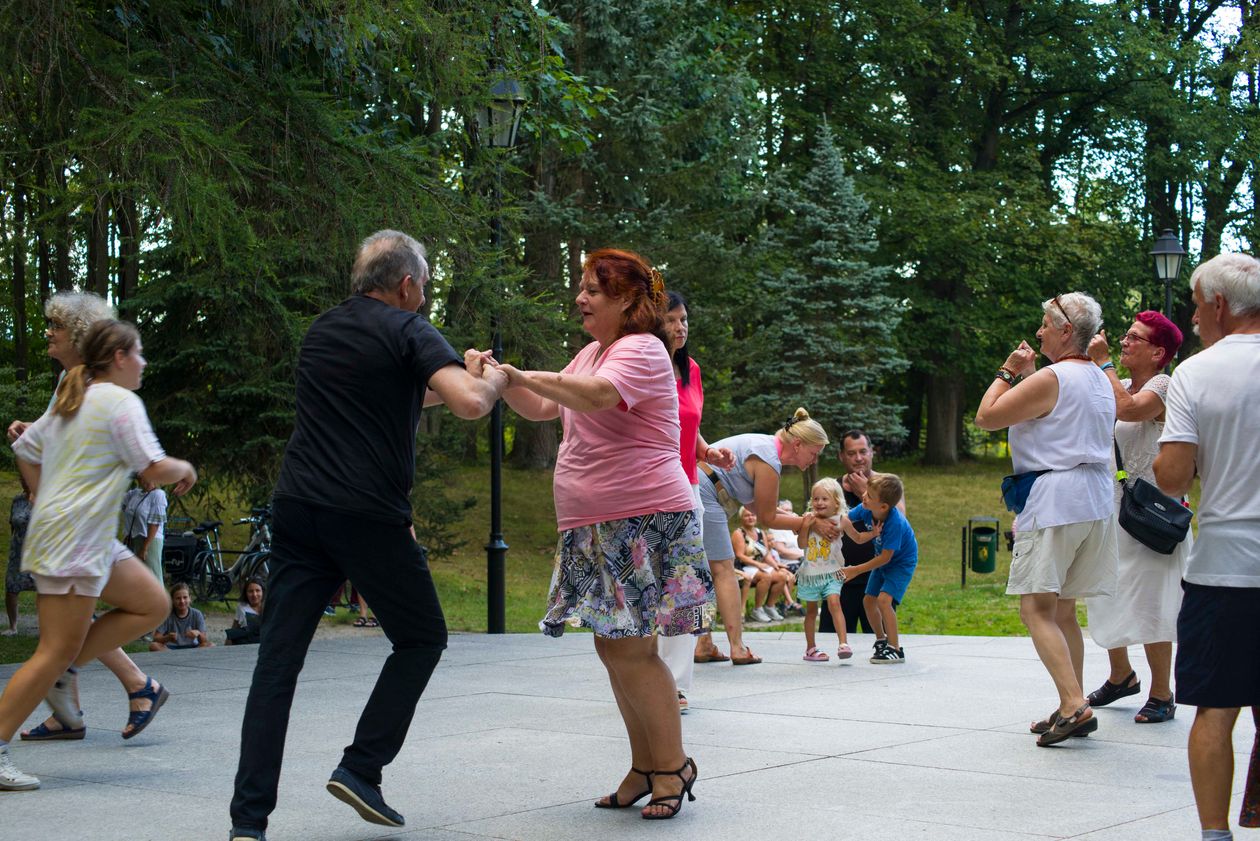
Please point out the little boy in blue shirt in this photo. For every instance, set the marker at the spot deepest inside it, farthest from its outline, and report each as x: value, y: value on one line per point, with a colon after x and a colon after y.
x: 896, y: 556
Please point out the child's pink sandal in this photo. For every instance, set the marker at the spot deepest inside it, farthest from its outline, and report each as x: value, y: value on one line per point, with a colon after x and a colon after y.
x: 816, y: 656
x: 844, y: 652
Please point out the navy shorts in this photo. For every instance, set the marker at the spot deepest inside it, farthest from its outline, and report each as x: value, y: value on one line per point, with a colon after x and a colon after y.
x: 1218, y: 646
x: 891, y: 578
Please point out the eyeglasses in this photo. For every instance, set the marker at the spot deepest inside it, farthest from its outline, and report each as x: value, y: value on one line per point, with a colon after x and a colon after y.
x: 56, y: 324
x: 1134, y: 337
x: 1062, y: 311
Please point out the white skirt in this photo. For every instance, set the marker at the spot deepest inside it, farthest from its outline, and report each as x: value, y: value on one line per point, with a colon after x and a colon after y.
x: 1148, y: 596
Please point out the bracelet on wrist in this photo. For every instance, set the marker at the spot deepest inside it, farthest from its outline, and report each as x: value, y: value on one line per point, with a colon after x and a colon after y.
x: 1106, y: 365
x: 1005, y: 376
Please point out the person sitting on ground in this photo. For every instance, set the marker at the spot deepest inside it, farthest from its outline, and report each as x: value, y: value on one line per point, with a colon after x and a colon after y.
x: 770, y: 579
x: 821, y: 576
x: 184, y: 628
x: 16, y: 581
x: 247, y: 625
x: 897, y: 555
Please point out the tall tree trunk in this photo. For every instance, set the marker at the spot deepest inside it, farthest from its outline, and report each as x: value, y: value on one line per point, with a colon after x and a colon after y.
x: 128, y: 247
x: 98, y: 248
x: 21, y: 343
x: 913, y: 417
x: 943, y: 398
x: 63, y: 241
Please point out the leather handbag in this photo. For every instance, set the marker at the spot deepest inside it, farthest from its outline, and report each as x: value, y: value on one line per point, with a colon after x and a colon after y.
x: 1153, y: 519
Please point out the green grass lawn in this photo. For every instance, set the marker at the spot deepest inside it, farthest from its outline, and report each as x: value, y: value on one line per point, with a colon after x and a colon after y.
x: 939, y: 500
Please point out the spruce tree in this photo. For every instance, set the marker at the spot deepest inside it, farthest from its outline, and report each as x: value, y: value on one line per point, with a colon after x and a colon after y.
x: 828, y: 316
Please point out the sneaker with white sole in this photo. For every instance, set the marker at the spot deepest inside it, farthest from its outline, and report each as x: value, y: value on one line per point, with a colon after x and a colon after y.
x: 759, y: 614
x: 11, y: 779
x: 888, y: 654
x: 682, y: 704
x: 774, y: 614
x: 363, y: 797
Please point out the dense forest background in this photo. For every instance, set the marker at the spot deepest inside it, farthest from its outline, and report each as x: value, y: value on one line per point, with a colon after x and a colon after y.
x: 864, y: 202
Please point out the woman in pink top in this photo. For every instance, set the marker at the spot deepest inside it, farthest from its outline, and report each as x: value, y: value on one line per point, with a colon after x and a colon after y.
x: 630, y: 562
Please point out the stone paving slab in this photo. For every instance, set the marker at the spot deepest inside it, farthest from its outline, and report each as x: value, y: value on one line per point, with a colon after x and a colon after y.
x: 518, y: 734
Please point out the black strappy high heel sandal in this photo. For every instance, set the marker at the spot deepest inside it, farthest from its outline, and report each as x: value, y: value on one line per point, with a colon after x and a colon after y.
x: 674, y: 802
x: 614, y: 803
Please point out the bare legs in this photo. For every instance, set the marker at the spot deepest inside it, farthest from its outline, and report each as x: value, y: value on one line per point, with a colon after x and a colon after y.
x: 1212, y: 764
x: 648, y: 701
x: 1056, y: 635
x: 1158, y: 654
x: 882, y: 618
x: 63, y: 623
x: 11, y: 611
x: 729, y: 606
x: 140, y: 606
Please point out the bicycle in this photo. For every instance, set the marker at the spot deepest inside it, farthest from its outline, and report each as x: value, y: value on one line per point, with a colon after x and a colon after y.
x: 210, y: 578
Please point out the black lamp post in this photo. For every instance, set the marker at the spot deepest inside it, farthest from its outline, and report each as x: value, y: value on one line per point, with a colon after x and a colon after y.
x: 497, y: 123
x: 1168, y: 255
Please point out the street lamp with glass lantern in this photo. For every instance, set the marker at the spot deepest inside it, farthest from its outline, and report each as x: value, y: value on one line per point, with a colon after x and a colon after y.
x: 497, y: 123
x: 1168, y: 255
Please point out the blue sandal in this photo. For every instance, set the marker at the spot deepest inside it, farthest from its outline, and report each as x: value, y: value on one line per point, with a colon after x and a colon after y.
x: 137, y: 720
x: 42, y: 733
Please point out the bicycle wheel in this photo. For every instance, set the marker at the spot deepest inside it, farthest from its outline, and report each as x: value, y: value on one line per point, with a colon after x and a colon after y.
x: 258, y: 566
x: 201, y: 577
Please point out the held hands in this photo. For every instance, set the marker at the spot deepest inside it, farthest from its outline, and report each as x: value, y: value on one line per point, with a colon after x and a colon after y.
x: 719, y: 457
x: 1022, y: 361
x: 1098, y: 350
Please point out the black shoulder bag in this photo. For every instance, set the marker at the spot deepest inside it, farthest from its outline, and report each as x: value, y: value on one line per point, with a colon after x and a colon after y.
x: 1156, y: 521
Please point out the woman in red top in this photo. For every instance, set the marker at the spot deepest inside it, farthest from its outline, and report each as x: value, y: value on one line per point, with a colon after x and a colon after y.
x: 677, y: 651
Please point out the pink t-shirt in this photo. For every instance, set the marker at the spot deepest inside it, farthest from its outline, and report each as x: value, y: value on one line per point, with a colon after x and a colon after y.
x: 690, y: 407
x: 622, y: 462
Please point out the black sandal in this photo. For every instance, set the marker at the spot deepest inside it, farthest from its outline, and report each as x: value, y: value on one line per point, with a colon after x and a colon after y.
x: 1110, y: 692
x: 673, y: 802
x: 1067, y: 726
x: 614, y: 803
x: 1156, y: 711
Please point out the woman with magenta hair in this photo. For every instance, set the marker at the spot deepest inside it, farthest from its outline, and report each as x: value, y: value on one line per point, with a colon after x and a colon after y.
x: 1144, y: 609
x: 630, y: 562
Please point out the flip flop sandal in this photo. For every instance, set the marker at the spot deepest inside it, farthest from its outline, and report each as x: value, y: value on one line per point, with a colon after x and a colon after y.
x: 816, y: 656
x: 1110, y: 692
x: 140, y: 719
x: 1156, y: 711
x: 750, y: 660
x: 42, y: 733
x: 714, y: 656
x: 1067, y: 726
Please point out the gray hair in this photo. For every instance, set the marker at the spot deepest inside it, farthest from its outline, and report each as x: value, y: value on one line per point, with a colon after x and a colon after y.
x: 78, y: 311
x: 384, y: 259
x: 1083, y: 312
x: 1235, y: 277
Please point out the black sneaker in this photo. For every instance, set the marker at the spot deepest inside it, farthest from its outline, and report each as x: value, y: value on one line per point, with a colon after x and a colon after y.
x: 880, y: 645
x: 367, y: 800
x: 888, y: 654
x: 246, y: 833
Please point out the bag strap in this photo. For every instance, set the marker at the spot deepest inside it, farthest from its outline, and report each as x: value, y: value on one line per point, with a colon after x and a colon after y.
x: 1121, y: 473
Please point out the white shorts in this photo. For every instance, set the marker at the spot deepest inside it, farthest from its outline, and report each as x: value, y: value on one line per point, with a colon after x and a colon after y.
x: 1075, y: 561
x: 79, y: 585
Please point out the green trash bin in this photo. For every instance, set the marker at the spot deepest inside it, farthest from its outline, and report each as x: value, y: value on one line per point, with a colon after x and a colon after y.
x: 984, y: 548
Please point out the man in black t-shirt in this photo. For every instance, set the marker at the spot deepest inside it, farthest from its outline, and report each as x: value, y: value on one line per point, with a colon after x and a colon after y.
x: 856, y: 454
x: 342, y: 510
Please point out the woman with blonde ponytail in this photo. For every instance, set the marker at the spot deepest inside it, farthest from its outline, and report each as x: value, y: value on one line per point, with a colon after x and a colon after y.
x: 70, y: 315
x: 78, y: 459
x: 753, y: 482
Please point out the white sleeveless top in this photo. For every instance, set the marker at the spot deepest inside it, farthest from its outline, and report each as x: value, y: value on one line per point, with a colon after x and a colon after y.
x: 1074, y: 442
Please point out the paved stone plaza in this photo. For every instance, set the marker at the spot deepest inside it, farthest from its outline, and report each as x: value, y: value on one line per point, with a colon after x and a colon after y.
x: 517, y: 735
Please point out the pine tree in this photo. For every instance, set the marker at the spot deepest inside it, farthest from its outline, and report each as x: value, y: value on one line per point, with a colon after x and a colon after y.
x: 826, y: 341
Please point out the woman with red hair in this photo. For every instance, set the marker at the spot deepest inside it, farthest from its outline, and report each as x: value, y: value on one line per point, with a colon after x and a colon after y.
x: 630, y: 562
x: 1144, y: 609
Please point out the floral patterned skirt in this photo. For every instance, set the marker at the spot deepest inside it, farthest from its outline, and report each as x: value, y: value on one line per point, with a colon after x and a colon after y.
x: 631, y: 578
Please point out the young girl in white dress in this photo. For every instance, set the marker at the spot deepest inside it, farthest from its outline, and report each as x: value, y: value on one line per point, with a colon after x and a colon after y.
x: 77, y: 460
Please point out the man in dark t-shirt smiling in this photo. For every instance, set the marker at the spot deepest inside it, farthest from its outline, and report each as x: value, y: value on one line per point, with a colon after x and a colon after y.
x: 342, y: 510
